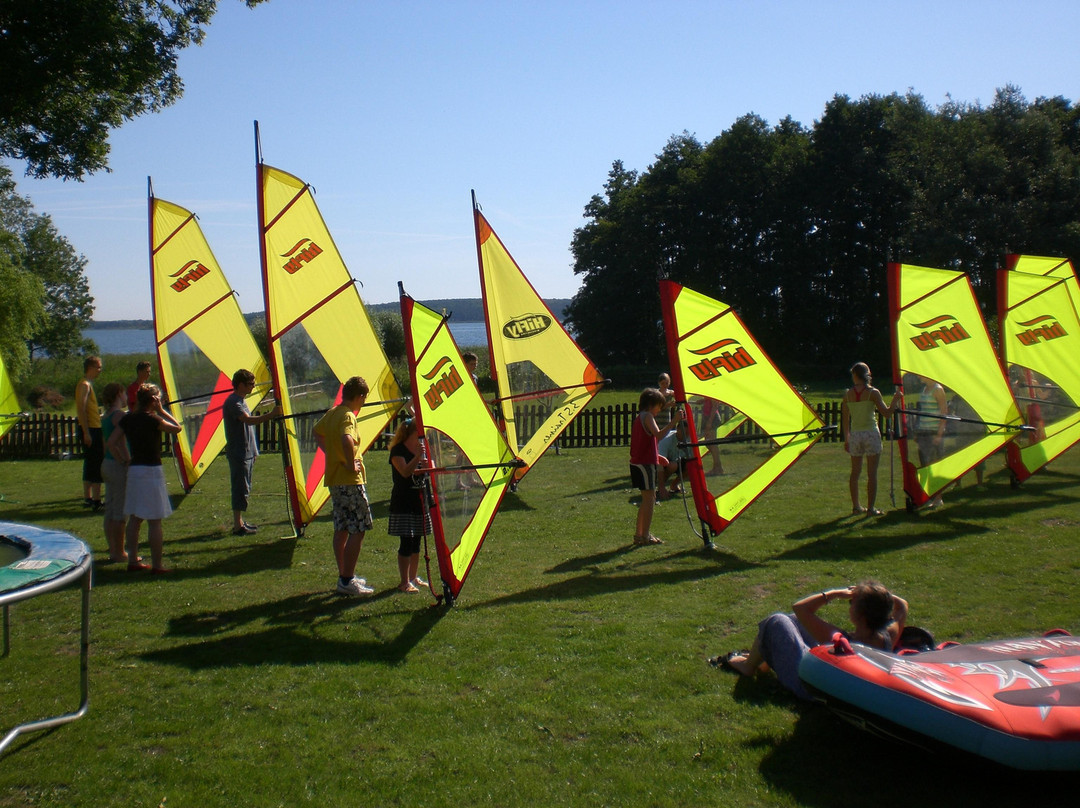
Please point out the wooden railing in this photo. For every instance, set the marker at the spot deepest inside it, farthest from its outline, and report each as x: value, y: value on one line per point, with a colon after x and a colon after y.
x: 41, y: 435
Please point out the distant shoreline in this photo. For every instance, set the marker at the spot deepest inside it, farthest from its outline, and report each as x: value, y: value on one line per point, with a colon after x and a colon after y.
x: 465, y: 309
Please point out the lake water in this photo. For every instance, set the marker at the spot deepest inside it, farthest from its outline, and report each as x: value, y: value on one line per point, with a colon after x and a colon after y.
x: 141, y: 340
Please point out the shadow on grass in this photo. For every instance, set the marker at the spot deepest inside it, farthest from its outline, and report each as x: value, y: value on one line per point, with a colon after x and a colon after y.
x: 275, y: 554
x: 894, y: 773
x: 620, y: 483
x: 289, y: 639
x: 620, y: 578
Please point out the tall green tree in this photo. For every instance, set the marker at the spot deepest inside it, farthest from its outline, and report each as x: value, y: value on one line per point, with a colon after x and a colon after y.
x: 793, y: 226
x: 72, y: 70
x: 46, y: 292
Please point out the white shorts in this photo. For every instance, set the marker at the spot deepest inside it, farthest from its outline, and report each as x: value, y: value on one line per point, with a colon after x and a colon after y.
x: 864, y: 442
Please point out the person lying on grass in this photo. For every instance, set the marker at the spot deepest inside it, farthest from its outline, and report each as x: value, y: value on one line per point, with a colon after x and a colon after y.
x: 878, y: 617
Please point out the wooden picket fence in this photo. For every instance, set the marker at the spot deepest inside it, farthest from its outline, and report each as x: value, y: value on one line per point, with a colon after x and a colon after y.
x: 43, y: 435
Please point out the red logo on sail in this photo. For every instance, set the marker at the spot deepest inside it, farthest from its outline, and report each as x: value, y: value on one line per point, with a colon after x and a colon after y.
x: 936, y: 333
x: 303, y: 252
x: 188, y: 274
x: 445, y: 385
x: 1039, y: 330
x: 732, y: 357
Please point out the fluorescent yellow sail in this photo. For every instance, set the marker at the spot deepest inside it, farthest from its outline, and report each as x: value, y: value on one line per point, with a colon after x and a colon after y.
x: 939, y: 334
x: 9, y: 402
x: 544, y: 379
x: 737, y: 396
x: 202, y: 336
x: 1040, y: 344
x: 319, y: 333
x: 471, y: 463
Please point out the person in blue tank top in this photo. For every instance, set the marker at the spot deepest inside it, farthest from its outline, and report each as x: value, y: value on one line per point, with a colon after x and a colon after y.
x: 862, y: 438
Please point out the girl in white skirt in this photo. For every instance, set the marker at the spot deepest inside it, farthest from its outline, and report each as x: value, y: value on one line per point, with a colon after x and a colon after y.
x: 137, y: 441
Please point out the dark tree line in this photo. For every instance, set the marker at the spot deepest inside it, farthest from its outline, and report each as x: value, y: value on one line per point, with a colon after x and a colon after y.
x: 793, y: 226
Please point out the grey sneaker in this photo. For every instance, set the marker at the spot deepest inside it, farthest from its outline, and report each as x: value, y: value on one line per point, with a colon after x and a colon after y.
x: 354, y: 588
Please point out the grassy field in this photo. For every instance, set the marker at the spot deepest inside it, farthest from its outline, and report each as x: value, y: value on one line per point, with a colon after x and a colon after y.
x: 571, y: 672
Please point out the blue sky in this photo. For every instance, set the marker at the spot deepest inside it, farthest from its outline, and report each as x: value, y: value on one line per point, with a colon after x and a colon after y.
x: 393, y: 111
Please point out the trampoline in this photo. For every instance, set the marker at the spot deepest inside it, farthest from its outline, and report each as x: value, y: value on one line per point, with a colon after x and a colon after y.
x: 35, y: 561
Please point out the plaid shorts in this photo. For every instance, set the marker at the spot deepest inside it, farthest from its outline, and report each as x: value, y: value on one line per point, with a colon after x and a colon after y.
x: 352, y: 513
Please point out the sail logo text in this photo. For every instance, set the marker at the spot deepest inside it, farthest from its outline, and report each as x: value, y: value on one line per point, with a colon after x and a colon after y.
x: 444, y: 386
x: 303, y: 252
x: 187, y: 275
x: 732, y: 357
x: 528, y: 326
x: 1036, y: 332
x: 935, y: 333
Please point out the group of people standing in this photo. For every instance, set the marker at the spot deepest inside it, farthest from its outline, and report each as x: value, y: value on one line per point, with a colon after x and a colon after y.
x: 123, y: 450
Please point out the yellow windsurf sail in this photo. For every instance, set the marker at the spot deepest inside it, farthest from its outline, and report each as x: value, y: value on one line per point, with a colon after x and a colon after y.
x: 1038, y: 302
x: 748, y: 419
x: 9, y: 402
x: 319, y: 334
x: 202, y: 337
x: 957, y: 408
x: 543, y: 377
x: 470, y: 463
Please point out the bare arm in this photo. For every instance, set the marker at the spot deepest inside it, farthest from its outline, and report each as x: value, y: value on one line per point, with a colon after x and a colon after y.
x: 806, y: 612
x: 82, y: 402
x: 117, y: 445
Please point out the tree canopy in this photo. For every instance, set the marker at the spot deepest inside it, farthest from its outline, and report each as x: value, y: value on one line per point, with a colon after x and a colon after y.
x: 45, y: 299
x: 75, y: 69
x: 793, y: 226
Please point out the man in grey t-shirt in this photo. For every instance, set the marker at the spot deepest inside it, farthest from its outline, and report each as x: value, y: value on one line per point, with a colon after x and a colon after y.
x: 241, y: 447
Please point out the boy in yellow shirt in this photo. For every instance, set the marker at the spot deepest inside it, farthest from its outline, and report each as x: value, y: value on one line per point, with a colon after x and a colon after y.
x: 338, y: 436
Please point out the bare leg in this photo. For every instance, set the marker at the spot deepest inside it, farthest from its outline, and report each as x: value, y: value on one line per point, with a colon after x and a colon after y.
x: 750, y: 664
x: 133, y: 526
x: 157, y: 541
x: 871, y: 480
x: 350, y: 552
x: 645, y: 513
x: 853, y: 481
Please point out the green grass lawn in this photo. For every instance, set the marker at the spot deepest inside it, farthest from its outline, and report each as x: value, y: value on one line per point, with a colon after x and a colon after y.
x: 571, y: 672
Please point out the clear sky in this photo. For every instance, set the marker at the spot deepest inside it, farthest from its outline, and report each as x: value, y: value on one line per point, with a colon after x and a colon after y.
x: 393, y: 111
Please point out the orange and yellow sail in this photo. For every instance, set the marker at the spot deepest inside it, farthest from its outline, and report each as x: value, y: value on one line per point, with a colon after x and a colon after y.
x: 202, y: 337
x: 470, y: 463
x: 319, y: 334
x: 544, y: 378
x: 939, y: 335
x: 9, y: 402
x: 1038, y: 302
x: 738, y: 405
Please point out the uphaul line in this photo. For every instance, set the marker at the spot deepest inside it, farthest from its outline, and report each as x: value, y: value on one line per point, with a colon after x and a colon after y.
x: 365, y: 404
x: 758, y: 436
x: 920, y: 414
x: 548, y: 392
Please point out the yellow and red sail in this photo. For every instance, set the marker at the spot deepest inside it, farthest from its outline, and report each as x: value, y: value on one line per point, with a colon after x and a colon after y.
x: 9, y: 402
x: 939, y: 334
x: 319, y: 334
x: 201, y: 335
x: 737, y: 404
x: 544, y: 379
x: 1038, y: 302
x: 470, y: 463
